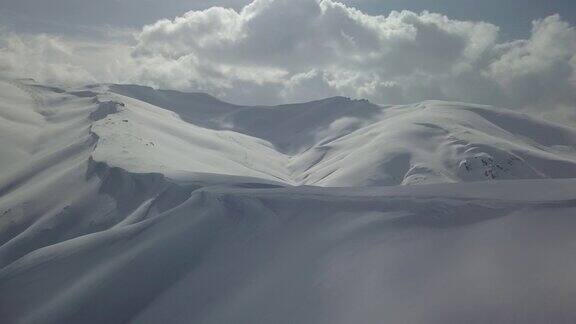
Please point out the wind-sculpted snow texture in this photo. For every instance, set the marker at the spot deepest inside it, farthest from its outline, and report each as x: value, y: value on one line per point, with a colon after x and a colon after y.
x: 127, y: 204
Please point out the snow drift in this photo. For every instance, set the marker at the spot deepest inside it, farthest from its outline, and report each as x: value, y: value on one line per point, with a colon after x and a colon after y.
x: 127, y: 204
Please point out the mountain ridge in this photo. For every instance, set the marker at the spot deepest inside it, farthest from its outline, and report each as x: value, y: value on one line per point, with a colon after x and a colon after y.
x: 115, y: 210
x: 313, y: 136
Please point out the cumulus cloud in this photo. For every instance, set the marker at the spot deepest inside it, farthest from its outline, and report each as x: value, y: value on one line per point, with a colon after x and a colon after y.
x: 275, y: 51
x: 41, y: 57
x: 53, y: 59
x: 538, y: 70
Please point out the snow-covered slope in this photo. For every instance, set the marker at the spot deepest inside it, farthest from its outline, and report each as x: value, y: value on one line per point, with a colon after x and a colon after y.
x: 436, y: 142
x: 343, y: 142
x: 433, y: 254
x: 128, y: 204
x: 143, y: 138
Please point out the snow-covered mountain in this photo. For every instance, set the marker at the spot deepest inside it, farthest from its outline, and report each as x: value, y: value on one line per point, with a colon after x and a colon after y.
x: 124, y: 203
x: 343, y: 142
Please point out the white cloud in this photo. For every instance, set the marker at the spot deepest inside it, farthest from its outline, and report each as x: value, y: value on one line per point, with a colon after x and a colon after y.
x: 307, y: 46
x: 275, y: 51
x: 52, y: 59
x: 538, y: 70
x: 40, y: 57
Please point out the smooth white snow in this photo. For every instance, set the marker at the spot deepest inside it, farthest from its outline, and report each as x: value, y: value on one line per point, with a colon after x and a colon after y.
x: 128, y: 204
x: 337, y: 141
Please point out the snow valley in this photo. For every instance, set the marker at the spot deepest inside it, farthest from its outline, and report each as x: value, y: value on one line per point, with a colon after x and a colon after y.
x: 122, y: 203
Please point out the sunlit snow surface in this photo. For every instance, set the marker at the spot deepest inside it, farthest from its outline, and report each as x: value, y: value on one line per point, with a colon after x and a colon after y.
x: 127, y: 204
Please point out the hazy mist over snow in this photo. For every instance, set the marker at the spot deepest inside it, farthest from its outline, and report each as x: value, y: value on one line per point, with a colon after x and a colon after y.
x: 277, y: 51
x: 125, y: 204
x: 269, y: 189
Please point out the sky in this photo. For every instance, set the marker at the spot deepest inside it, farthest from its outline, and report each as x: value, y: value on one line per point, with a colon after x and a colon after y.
x: 518, y: 54
x: 79, y: 17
